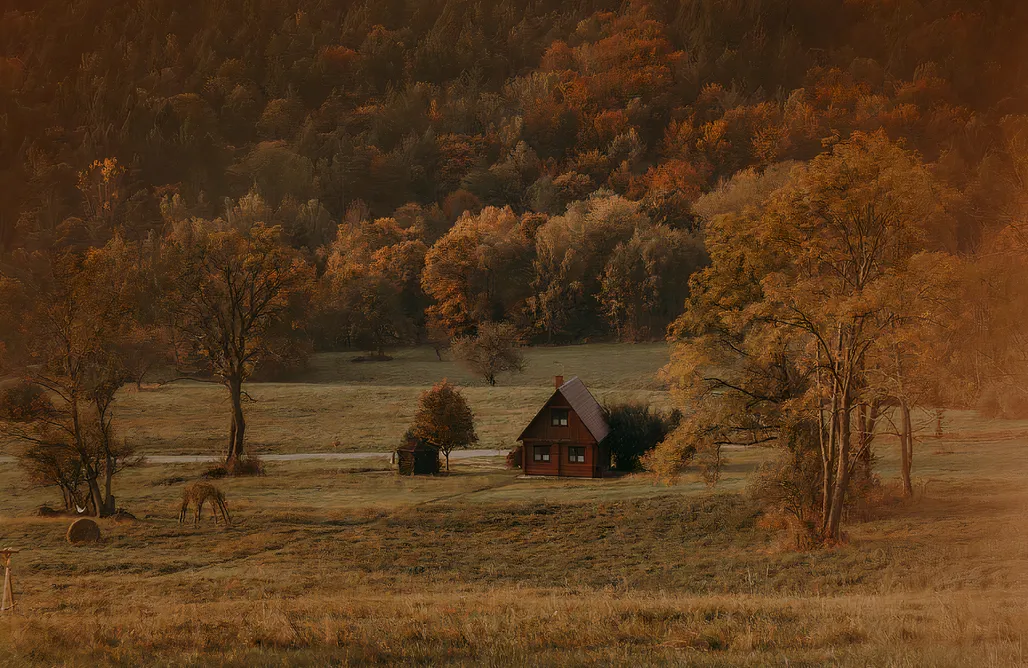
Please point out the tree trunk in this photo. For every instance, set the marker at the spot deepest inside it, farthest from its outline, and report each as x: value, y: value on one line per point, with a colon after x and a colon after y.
x: 826, y: 486
x: 868, y: 421
x: 237, y: 432
x: 89, y: 471
x: 109, y: 501
x: 906, y: 449
x: 447, y: 455
x: 95, y: 495
x: 231, y: 439
x: 828, y: 457
x: 842, y: 475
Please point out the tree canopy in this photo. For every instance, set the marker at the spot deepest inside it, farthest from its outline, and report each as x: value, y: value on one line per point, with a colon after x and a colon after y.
x: 566, y: 149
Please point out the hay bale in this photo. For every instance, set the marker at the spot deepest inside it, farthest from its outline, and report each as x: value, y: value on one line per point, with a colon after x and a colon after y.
x: 83, y: 530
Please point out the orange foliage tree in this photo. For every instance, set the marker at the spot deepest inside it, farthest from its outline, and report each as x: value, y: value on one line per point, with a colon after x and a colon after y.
x: 445, y: 420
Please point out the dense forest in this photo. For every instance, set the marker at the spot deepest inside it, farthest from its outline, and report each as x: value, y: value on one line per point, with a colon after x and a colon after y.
x: 443, y: 163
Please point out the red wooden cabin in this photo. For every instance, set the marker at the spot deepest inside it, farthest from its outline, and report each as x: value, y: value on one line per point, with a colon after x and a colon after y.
x: 566, y: 437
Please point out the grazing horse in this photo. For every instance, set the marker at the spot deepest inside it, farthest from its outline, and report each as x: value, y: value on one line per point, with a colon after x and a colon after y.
x: 200, y: 493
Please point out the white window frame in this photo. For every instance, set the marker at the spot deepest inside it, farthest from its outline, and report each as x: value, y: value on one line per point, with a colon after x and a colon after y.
x: 560, y: 422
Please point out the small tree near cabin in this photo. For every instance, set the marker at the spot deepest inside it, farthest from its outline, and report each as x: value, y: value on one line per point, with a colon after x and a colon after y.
x: 445, y: 420
x: 492, y: 351
x: 237, y: 295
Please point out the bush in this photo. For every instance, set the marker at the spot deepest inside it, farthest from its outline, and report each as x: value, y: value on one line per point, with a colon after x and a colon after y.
x: 635, y: 429
x: 240, y: 467
x: 514, y: 457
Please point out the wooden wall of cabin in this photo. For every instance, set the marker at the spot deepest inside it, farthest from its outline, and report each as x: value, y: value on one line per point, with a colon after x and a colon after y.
x: 559, y: 464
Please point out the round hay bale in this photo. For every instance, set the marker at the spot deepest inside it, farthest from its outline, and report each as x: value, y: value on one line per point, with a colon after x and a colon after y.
x: 83, y: 530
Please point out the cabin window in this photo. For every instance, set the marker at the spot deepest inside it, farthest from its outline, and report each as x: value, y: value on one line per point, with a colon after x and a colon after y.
x: 576, y: 454
x: 541, y: 453
x: 559, y: 417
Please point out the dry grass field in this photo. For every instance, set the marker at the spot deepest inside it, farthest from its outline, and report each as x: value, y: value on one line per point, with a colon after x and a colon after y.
x: 351, y: 564
x: 337, y: 405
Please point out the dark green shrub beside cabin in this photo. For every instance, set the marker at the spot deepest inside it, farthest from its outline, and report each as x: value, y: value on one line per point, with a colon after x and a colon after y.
x: 635, y: 429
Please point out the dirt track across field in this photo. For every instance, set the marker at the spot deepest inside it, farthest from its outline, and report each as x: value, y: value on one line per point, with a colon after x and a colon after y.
x: 296, y: 457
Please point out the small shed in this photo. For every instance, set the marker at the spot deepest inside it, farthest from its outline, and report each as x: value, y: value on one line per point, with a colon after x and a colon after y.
x: 566, y: 437
x: 416, y: 457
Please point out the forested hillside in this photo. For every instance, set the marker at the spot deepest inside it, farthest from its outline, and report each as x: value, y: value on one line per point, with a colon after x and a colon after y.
x: 441, y: 163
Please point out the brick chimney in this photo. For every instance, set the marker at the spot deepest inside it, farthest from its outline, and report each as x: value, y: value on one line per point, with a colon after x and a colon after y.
x: 558, y: 381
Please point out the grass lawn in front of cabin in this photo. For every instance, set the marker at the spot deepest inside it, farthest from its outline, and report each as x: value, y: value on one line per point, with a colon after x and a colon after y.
x: 354, y: 564
x: 347, y: 562
x: 337, y: 405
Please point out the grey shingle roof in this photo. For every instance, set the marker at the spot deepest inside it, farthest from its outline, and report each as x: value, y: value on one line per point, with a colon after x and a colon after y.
x: 584, y: 405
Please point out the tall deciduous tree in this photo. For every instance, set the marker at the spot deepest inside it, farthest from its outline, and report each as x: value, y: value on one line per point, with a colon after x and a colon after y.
x: 237, y: 296
x: 909, y: 366
x: 445, y: 420
x: 370, y: 291
x: 646, y: 279
x: 775, y: 345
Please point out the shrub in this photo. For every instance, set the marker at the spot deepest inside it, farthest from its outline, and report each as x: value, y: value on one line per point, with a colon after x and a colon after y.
x: 249, y: 465
x: 514, y: 457
x: 635, y: 429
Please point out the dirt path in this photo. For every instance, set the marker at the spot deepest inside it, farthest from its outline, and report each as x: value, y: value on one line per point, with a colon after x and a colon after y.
x: 300, y: 456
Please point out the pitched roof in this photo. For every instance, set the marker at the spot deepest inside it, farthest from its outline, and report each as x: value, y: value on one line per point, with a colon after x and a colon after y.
x: 417, y: 445
x: 584, y: 405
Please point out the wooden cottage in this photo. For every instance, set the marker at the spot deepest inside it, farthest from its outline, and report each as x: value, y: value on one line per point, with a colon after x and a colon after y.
x: 416, y: 457
x: 566, y: 437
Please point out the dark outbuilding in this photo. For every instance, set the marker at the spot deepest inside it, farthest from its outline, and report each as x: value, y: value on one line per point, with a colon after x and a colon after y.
x: 416, y: 457
x: 566, y: 437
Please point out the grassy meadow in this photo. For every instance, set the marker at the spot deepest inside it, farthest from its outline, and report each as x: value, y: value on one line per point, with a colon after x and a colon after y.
x: 348, y: 563
x: 337, y: 405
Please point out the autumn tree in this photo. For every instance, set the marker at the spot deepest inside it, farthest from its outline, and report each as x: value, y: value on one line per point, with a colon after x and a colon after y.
x: 493, y: 350
x: 237, y: 297
x: 910, y: 365
x: 445, y: 420
x: 479, y: 271
x: 993, y: 357
x: 571, y: 253
x: 370, y: 292
x: 72, y: 312
x: 774, y: 347
x: 645, y: 281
